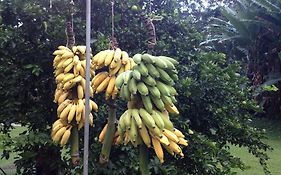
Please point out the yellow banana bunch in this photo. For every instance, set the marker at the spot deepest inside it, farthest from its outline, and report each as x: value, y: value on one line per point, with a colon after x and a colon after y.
x: 115, y: 62
x: 69, y: 71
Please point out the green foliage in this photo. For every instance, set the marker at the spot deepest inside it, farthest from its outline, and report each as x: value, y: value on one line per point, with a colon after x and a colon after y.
x: 218, y: 108
x: 214, y: 99
x: 249, y: 31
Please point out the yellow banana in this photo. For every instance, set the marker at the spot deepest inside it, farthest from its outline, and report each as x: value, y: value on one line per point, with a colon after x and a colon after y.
x: 80, y: 91
x: 128, y: 66
x: 170, y: 135
x: 113, y: 71
x: 145, y: 136
x: 67, y: 55
x: 100, y: 77
x: 109, y: 58
x: 63, y: 105
x: 65, y: 112
x: 62, y: 97
x: 64, y: 48
x: 102, y: 57
x: 59, y: 134
x: 182, y: 141
x: 65, y: 136
x: 172, y: 109
x: 125, y: 57
x: 164, y: 140
x: 102, y: 133
x: 71, y: 113
x: 103, y: 85
x: 68, y: 68
x: 111, y: 85
x: 94, y: 105
x: 80, y: 106
x: 158, y: 149
x: 117, y: 55
x: 178, y: 133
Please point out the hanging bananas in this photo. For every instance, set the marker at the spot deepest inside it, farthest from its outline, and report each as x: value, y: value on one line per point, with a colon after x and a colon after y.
x: 148, y: 88
x: 116, y: 62
x: 152, y: 78
x: 70, y: 74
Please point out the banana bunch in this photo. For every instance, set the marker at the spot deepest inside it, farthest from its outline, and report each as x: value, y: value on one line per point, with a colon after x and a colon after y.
x: 149, y: 90
x: 115, y: 62
x: 70, y: 66
x: 137, y: 125
x: 152, y: 78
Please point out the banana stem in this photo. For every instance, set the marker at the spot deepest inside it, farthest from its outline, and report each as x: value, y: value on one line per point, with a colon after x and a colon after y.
x: 109, y: 136
x: 74, y: 146
x: 144, y: 160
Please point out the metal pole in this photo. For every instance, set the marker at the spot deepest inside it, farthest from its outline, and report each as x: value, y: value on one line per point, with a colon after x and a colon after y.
x: 87, y: 95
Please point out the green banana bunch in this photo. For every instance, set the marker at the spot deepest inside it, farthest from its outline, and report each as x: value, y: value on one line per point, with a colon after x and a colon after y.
x: 152, y: 78
x: 149, y: 90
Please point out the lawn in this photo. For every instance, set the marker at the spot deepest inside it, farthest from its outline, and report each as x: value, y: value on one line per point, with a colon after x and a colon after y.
x: 273, y: 129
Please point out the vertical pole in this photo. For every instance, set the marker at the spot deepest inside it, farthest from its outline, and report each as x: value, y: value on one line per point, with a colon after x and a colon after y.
x: 87, y: 95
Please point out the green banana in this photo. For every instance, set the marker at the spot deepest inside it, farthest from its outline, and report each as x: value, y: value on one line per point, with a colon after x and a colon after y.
x: 158, y: 120
x: 120, y: 80
x: 172, y: 60
x: 137, y: 58
x: 142, y: 69
x: 167, y: 100
x: 158, y: 103
x: 162, y: 88
x: 152, y: 70
x: 165, y: 76
x: 133, y: 86
x: 160, y: 63
x: 172, y: 90
x: 128, y: 75
x: 147, y: 103
x: 147, y: 58
x: 143, y: 90
x: 133, y: 131
x: 127, y: 119
x: 125, y: 93
x: 169, y: 64
x: 136, y: 116
x: 168, y: 124
x: 149, y: 80
x: 173, y: 98
x: 154, y: 91
x: 146, y: 118
x: 136, y: 74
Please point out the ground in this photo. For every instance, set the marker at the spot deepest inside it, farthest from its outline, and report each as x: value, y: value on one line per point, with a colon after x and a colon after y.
x: 273, y: 129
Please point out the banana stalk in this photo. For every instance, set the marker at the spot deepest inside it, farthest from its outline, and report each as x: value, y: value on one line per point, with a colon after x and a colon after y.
x: 109, y: 136
x: 75, y: 146
x: 143, y: 158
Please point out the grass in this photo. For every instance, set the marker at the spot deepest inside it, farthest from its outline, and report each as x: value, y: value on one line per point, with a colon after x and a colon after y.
x: 274, y: 140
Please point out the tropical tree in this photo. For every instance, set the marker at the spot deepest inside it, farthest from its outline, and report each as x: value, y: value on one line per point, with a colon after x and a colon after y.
x: 249, y: 31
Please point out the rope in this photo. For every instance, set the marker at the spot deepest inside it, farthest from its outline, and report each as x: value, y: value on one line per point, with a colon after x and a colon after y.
x: 113, y: 41
x: 69, y: 26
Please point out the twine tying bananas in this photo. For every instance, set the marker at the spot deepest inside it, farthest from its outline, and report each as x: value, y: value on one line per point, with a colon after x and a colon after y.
x: 70, y: 66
